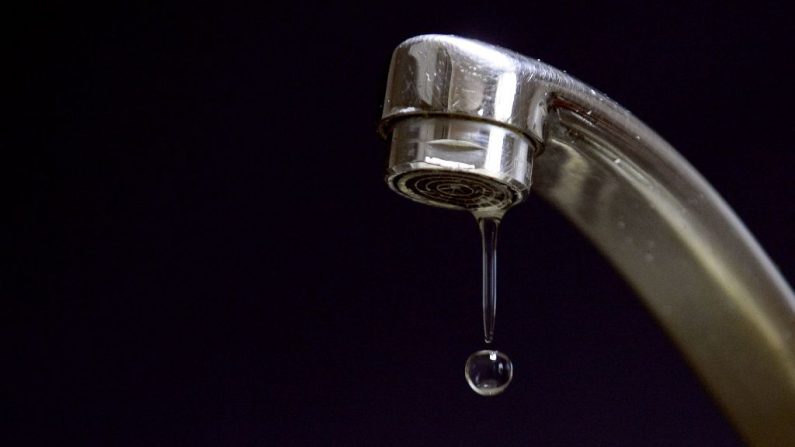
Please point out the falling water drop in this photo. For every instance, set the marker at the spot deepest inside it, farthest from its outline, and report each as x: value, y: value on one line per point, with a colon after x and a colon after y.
x: 488, y: 372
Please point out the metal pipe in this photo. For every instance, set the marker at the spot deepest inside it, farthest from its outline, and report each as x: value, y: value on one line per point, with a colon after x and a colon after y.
x: 472, y: 124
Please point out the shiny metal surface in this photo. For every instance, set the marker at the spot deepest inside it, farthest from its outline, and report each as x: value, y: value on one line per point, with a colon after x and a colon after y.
x: 460, y: 164
x: 651, y: 214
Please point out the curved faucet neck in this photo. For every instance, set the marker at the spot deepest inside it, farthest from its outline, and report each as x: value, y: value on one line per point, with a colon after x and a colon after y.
x: 695, y: 265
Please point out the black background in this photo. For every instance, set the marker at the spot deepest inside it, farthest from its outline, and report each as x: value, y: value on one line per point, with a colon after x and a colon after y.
x: 203, y: 251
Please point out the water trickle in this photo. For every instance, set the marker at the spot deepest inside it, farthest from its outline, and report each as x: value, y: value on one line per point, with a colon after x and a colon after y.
x: 488, y: 234
x: 489, y: 372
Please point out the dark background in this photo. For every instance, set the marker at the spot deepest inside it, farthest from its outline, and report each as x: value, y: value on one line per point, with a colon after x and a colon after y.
x: 203, y: 251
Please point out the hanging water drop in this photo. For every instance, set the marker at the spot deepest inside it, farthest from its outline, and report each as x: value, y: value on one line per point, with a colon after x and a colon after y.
x: 488, y: 372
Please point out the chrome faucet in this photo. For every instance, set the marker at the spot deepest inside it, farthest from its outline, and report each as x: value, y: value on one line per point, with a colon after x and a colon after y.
x: 473, y: 125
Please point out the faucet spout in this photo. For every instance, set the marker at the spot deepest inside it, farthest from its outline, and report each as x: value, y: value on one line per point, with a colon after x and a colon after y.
x: 471, y: 124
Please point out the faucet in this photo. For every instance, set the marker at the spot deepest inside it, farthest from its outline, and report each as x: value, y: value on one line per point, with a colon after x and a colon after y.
x: 472, y: 126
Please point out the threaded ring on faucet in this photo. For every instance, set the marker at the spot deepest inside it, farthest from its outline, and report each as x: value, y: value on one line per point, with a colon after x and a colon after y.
x: 459, y: 163
x: 458, y: 190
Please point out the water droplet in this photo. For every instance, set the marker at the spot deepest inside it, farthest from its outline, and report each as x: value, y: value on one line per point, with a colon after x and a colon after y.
x: 637, y: 137
x: 488, y: 372
x: 617, y: 161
